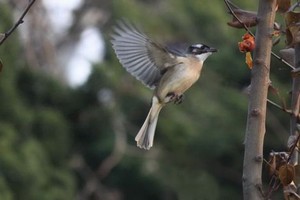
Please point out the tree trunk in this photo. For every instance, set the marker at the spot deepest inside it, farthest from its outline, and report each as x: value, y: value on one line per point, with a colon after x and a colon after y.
x: 255, y: 131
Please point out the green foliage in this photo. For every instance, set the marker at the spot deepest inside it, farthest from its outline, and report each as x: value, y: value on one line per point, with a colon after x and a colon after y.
x: 34, y: 134
x: 128, y: 176
x: 198, y: 145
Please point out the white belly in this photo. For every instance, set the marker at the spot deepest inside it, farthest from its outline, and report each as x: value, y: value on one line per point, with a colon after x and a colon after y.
x: 177, y: 81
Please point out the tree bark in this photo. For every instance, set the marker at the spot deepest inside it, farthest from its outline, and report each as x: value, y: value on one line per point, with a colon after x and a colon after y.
x: 255, y: 130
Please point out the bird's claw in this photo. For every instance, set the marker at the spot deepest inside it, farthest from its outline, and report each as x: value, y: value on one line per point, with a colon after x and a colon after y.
x: 177, y: 99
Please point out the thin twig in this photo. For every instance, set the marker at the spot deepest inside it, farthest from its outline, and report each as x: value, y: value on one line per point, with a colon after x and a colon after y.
x: 20, y: 21
x: 249, y: 31
x: 274, y: 184
x: 278, y: 106
x: 282, y: 60
x: 281, y: 108
x: 293, y: 148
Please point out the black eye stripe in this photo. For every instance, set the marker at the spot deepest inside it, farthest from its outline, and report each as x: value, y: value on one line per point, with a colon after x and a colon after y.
x: 197, y: 49
x: 204, y: 47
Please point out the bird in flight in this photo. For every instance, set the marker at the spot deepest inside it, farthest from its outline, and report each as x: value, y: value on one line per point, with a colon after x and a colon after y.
x: 168, y: 71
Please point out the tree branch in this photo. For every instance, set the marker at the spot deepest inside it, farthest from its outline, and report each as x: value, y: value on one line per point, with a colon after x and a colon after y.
x: 255, y: 131
x: 20, y: 21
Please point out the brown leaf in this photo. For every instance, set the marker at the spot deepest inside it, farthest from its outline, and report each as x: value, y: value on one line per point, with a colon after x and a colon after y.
x: 295, y: 33
x: 297, y: 174
x: 288, y: 55
x: 246, y: 17
x: 286, y: 174
x: 272, y: 165
x: 292, y: 18
x: 276, y: 160
x: 292, y: 21
x: 283, y: 5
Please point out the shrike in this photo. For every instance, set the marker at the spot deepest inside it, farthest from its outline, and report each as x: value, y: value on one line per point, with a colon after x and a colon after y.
x: 169, y: 72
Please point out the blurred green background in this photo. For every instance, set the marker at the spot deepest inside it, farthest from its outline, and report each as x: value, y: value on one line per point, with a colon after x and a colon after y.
x: 59, y: 142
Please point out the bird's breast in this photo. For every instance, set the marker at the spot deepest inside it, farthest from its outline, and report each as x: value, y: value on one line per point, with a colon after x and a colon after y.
x: 178, y: 79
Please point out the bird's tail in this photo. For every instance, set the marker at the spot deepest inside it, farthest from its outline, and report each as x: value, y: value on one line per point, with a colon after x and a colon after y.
x: 145, y: 136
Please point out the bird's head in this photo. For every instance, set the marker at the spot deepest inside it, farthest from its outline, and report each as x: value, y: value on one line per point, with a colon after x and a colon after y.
x: 200, y: 51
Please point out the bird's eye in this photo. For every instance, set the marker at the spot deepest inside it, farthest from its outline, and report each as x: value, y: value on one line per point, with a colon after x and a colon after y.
x: 204, y: 47
x: 195, y: 50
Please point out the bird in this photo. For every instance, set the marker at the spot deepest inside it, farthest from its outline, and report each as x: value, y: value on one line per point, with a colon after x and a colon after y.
x: 167, y: 70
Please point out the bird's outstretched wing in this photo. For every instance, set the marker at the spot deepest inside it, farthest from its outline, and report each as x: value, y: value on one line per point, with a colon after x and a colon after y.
x: 139, y: 55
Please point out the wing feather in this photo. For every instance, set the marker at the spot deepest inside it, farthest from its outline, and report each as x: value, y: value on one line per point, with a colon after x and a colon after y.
x: 139, y: 55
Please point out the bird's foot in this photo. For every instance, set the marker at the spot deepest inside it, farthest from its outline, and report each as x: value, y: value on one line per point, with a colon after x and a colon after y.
x: 179, y: 99
x: 176, y: 98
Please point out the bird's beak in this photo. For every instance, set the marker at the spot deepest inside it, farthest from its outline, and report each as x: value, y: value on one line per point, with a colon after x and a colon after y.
x: 211, y: 49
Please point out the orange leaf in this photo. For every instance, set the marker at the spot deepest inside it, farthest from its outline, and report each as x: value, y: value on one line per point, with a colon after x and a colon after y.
x: 249, y: 61
x: 248, y: 43
x: 247, y: 36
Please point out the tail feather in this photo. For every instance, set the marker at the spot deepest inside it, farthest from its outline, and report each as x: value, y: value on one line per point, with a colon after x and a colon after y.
x: 145, y: 136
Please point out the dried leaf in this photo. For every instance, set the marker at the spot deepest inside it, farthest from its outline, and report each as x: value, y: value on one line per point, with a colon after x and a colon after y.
x: 248, y: 18
x: 286, y: 174
x: 276, y: 160
x: 295, y: 33
x: 248, y: 43
x: 288, y: 55
x: 292, y: 20
x: 249, y: 61
x: 246, y: 46
x: 283, y: 5
x: 272, y: 165
x: 297, y: 175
